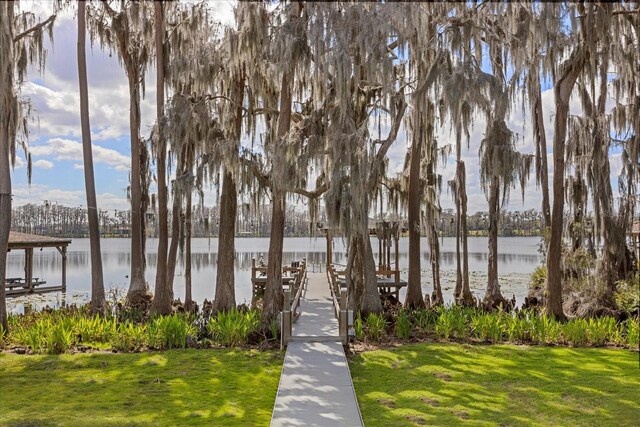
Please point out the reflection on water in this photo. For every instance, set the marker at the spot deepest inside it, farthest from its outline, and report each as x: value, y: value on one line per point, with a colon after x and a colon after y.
x: 517, y: 259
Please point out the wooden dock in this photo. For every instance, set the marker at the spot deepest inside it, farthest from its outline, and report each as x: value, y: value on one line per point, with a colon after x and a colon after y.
x: 316, y: 387
x: 17, y: 286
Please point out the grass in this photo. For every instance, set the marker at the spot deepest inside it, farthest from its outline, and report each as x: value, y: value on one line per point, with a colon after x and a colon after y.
x: 453, y: 384
x: 175, y: 387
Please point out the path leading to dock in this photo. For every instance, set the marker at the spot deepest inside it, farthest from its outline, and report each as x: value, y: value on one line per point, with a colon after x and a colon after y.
x: 315, y: 387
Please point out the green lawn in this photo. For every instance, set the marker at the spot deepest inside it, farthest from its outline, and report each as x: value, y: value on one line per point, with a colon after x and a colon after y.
x: 178, y: 387
x: 452, y: 384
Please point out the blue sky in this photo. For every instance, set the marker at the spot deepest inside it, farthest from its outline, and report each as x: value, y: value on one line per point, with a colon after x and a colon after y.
x: 56, y: 139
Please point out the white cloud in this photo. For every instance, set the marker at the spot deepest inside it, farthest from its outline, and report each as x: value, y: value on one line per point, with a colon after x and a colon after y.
x: 78, y: 166
x: 66, y: 149
x: 43, y: 164
x: 37, y: 194
x: 19, y: 163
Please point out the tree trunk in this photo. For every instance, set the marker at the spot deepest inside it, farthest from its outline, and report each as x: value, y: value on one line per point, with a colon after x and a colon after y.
x: 370, y: 298
x: 434, y: 258
x: 175, y: 237
x: 138, y: 289
x: 414, y: 297
x: 466, y: 297
x: 225, y: 280
x: 273, y: 294
x: 541, y: 139
x: 458, y: 289
x: 493, y: 297
x: 225, y: 297
x: 98, y: 301
x: 163, y: 296
x: 7, y: 98
x: 570, y: 71
x: 188, y: 299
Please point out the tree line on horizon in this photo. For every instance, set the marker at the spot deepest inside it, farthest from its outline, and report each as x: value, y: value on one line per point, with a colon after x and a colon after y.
x: 289, y: 103
x: 57, y: 220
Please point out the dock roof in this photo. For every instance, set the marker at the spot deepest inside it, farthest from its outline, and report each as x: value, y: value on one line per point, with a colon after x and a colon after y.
x: 24, y: 240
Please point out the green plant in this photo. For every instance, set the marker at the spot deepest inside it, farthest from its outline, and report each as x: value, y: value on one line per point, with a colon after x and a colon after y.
x: 129, y: 337
x: 274, y: 329
x: 403, y: 325
x: 60, y: 338
x: 425, y: 319
x: 600, y: 330
x: 169, y: 332
x: 544, y: 329
x: 488, y: 326
x: 233, y: 327
x: 575, y: 332
x: 538, y: 277
x: 451, y: 322
x: 632, y: 331
x: 517, y: 328
x: 626, y: 295
x: 95, y: 329
x: 358, y: 327
x: 375, y: 326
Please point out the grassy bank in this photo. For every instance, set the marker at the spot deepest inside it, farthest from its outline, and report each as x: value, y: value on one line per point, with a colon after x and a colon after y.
x: 453, y: 384
x: 175, y: 387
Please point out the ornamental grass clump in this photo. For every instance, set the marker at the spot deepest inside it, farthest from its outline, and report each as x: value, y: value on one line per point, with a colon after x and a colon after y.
x: 165, y: 332
x: 601, y: 330
x: 574, y: 332
x: 129, y: 337
x: 451, y: 322
x: 403, y: 325
x: 375, y: 326
x: 425, y: 320
x: 632, y: 331
x: 233, y: 328
x: 488, y: 326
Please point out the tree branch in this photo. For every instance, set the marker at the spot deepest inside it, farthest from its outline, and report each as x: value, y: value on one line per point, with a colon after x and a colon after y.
x: 312, y: 194
x: 34, y: 28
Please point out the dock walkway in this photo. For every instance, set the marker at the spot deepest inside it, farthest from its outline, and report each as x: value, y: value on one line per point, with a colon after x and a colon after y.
x: 315, y: 387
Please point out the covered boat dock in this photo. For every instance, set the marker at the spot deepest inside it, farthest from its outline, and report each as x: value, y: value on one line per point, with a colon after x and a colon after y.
x: 16, y: 286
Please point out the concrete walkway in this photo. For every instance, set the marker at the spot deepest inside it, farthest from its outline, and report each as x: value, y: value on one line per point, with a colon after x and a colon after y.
x: 315, y: 387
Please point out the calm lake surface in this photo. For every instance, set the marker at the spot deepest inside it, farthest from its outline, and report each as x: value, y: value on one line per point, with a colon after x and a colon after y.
x: 517, y: 260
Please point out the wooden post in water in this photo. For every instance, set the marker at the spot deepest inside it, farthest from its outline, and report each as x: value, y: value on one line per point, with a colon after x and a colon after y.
x: 64, y: 269
x: 28, y: 268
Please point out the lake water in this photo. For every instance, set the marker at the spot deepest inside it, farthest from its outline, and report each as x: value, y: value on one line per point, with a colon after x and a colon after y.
x: 517, y: 260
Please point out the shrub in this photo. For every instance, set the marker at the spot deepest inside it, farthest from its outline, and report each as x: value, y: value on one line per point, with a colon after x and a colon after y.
x: 129, y: 337
x: 538, y: 277
x: 544, y: 329
x: 517, y: 329
x: 600, y: 330
x: 575, y: 332
x: 451, y: 322
x: 632, y: 331
x: 403, y: 325
x: 488, y: 326
x: 94, y: 329
x: 425, y: 319
x: 626, y: 295
x: 375, y: 326
x: 60, y: 338
x: 233, y: 327
x: 169, y: 332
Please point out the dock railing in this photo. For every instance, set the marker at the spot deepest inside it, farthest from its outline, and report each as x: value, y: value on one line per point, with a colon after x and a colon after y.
x: 292, y: 297
x: 339, y: 297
